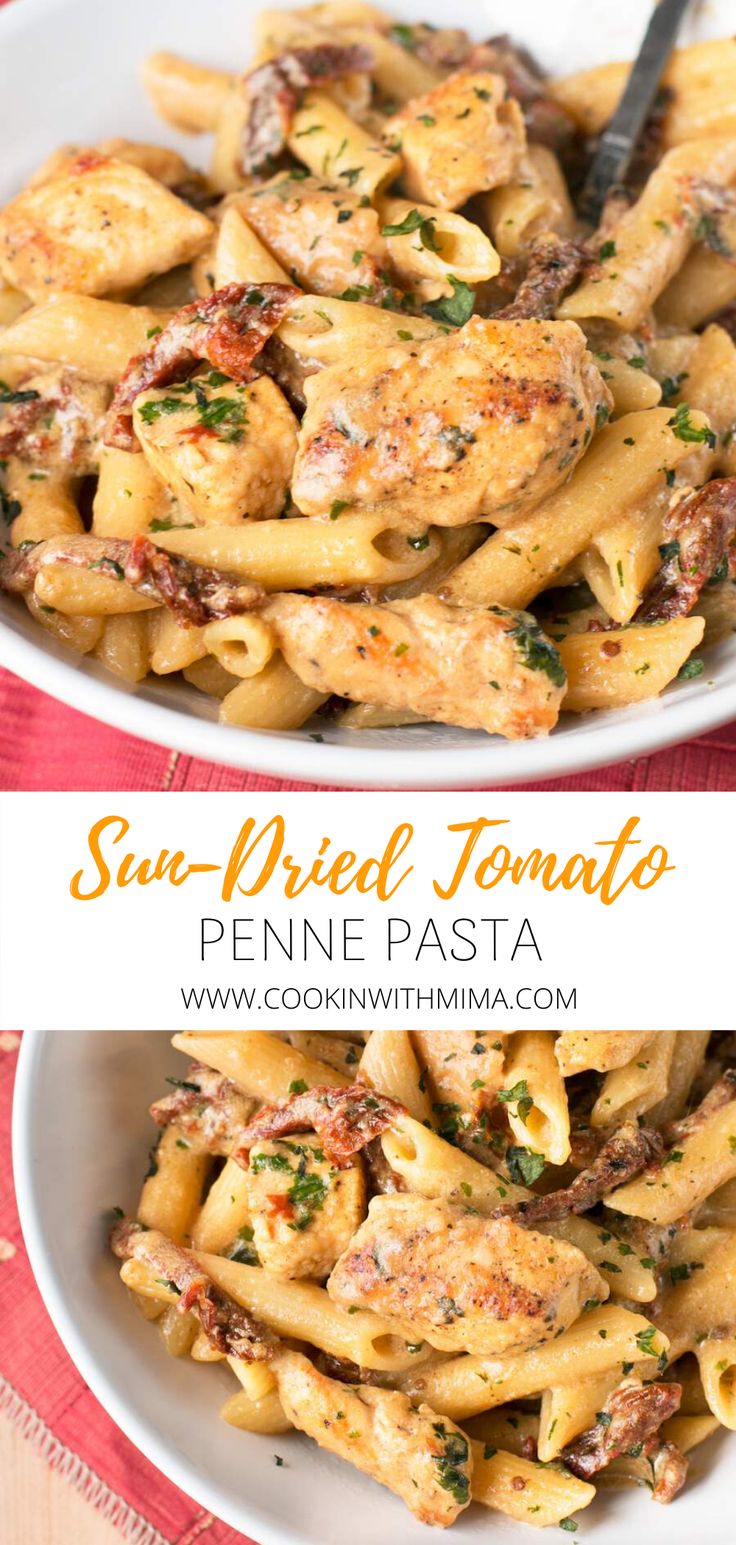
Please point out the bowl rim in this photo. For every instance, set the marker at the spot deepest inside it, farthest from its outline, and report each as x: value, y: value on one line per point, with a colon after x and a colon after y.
x: 280, y: 754
x: 490, y: 763
x: 139, y: 1429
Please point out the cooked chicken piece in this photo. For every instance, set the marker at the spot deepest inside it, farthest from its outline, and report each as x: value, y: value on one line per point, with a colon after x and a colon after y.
x: 302, y: 1209
x: 491, y: 417
x: 224, y: 449
x: 450, y: 48
x: 194, y: 594
x: 165, y: 165
x: 346, y: 1118
x: 229, y: 328
x: 444, y: 167
x: 421, y: 1456
x: 465, y: 1067
x: 229, y: 1328
x: 55, y: 418
x: 208, y: 1108
x: 274, y: 90
x: 99, y: 226
x: 315, y: 231
x: 460, y: 1281
x: 483, y: 668
x: 578, y: 1050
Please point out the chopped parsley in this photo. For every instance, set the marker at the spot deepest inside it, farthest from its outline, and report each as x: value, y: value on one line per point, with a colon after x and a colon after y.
x: 455, y: 309
x: 298, y: 1086
x: 645, y: 1340
x: 415, y: 221
x: 607, y: 250
x: 8, y: 395
x: 519, y: 1096
x: 450, y: 1309
x: 403, y: 35
x: 525, y: 1165
x: 243, y: 1250
x: 275, y: 1161
x: 537, y: 651
x: 683, y: 428
x: 307, y: 1196
x: 457, y: 438
x: 451, y: 1472
x: 671, y: 386
x: 684, y: 1270
x: 115, y: 570
x: 690, y: 670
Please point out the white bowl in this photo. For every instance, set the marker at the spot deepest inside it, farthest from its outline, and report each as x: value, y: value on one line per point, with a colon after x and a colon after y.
x: 69, y: 70
x: 80, y: 1136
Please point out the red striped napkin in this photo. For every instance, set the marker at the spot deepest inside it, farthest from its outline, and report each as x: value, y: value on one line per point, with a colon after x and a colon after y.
x: 44, y: 745
x: 46, y: 1399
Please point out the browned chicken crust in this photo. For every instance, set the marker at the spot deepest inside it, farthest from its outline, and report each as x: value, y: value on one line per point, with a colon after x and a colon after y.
x: 482, y: 667
x: 491, y: 417
x: 229, y: 328
x: 461, y: 1281
x: 421, y: 1456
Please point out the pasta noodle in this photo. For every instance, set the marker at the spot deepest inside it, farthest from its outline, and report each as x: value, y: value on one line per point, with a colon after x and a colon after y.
x: 388, y: 1308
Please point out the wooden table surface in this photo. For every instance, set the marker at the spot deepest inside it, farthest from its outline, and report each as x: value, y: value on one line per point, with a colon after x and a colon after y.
x: 37, y: 1507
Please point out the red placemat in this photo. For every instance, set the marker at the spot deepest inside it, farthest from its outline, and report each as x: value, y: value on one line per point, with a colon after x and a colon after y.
x: 46, y: 1399
x: 44, y: 745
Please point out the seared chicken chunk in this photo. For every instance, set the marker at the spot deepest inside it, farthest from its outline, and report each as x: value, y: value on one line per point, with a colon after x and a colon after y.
x: 55, y: 418
x: 463, y: 1282
x: 445, y: 162
x: 484, y: 668
x: 224, y: 449
x: 465, y: 1067
x: 100, y: 225
x: 421, y: 1456
x: 489, y: 418
x: 315, y: 230
x: 302, y: 1209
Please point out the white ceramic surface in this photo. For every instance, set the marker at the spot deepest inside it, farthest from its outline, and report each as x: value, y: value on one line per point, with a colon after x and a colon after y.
x: 68, y: 70
x: 80, y: 1136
